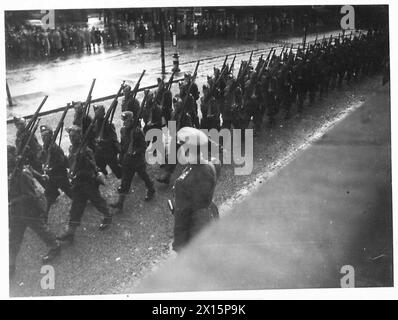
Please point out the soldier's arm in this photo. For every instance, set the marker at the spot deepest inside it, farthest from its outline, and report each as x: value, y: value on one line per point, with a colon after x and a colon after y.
x: 26, y: 187
x: 140, y: 143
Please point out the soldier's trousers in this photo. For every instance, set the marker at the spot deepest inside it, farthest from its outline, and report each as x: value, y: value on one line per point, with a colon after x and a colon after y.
x: 129, y: 169
x: 111, y: 161
x: 188, y: 223
x: 17, y: 227
x: 301, y: 98
x: 53, y: 184
x: 82, y: 192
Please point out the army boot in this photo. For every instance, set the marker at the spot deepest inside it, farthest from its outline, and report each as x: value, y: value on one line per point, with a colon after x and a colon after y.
x: 150, y: 193
x: 165, y: 178
x: 52, y: 254
x: 106, y: 222
x: 69, y: 235
x: 119, y: 203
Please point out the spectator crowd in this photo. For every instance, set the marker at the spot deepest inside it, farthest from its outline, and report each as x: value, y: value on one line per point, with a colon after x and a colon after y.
x: 27, y: 42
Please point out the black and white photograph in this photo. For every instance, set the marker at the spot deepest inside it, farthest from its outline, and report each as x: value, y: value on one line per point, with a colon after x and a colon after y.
x: 194, y: 147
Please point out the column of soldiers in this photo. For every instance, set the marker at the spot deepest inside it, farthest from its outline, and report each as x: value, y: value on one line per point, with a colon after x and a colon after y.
x: 269, y: 87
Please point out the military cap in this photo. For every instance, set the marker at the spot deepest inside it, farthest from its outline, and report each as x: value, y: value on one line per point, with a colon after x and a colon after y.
x: 78, y: 104
x: 74, y: 129
x: 18, y: 120
x: 177, y: 99
x: 191, y: 136
x: 127, y: 115
x: 126, y: 88
x: 45, y: 129
x: 98, y: 107
x: 187, y: 75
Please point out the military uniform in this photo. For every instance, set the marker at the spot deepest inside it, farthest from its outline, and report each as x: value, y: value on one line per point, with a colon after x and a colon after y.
x: 56, y: 170
x: 107, y: 147
x: 85, y: 185
x: 133, y: 148
x: 129, y: 103
x: 193, y: 194
x: 34, y: 148
x: 26, y: 207
x: 210, y: 111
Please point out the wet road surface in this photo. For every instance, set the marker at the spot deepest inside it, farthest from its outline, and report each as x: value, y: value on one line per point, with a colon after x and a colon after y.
x: 67, y: 79
x: 330, y: 207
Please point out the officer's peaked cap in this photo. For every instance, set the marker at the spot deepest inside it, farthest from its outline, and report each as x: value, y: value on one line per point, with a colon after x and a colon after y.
x: 192, y: 136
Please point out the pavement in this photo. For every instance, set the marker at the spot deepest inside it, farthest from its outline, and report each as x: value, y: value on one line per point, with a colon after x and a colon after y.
x: 330, y: 207
x: 68, y: 78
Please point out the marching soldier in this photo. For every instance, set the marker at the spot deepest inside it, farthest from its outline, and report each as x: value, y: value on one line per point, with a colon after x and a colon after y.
x: 32, y: 155
x: 26, y: 209
x: 84, y: 120
x: 183, y: 119
x: 107, y: 146
x: 56, y: 173
x: 152, y: 114
x: 191, y: 105
x: 86, y: 179
x: 193, y: 191
x: 129, y: 103
x: 210, y: 110
x: 132, y: 157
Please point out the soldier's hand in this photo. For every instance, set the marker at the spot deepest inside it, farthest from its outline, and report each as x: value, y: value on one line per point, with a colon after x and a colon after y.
x: 101, y: 178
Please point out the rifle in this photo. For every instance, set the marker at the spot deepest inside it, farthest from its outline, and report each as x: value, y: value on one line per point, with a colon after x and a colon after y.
x: 137, y: 121
x: 137, y: 85
x: 21, y: 155
x: 240, y: 69
x: 232, y: 65
x: 82, y: 146
x: 141, y: 110
x: 170, y: 82
x: 316, y: 39
x: 188, y: 91
x: 111, y: 111
x: 258, y: 66
x: 283, y: 49
x: 225, y: 63
x: 32, y: 120
x: 86, y: 106
x: 54, y: 137
x: 167, y: 87
x: 270, y: 60
x: 250, y: 59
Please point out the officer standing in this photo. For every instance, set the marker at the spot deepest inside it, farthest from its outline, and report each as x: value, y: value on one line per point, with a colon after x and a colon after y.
x: 193, y: 190
x: 85, y: 178
x: 132, y: 157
